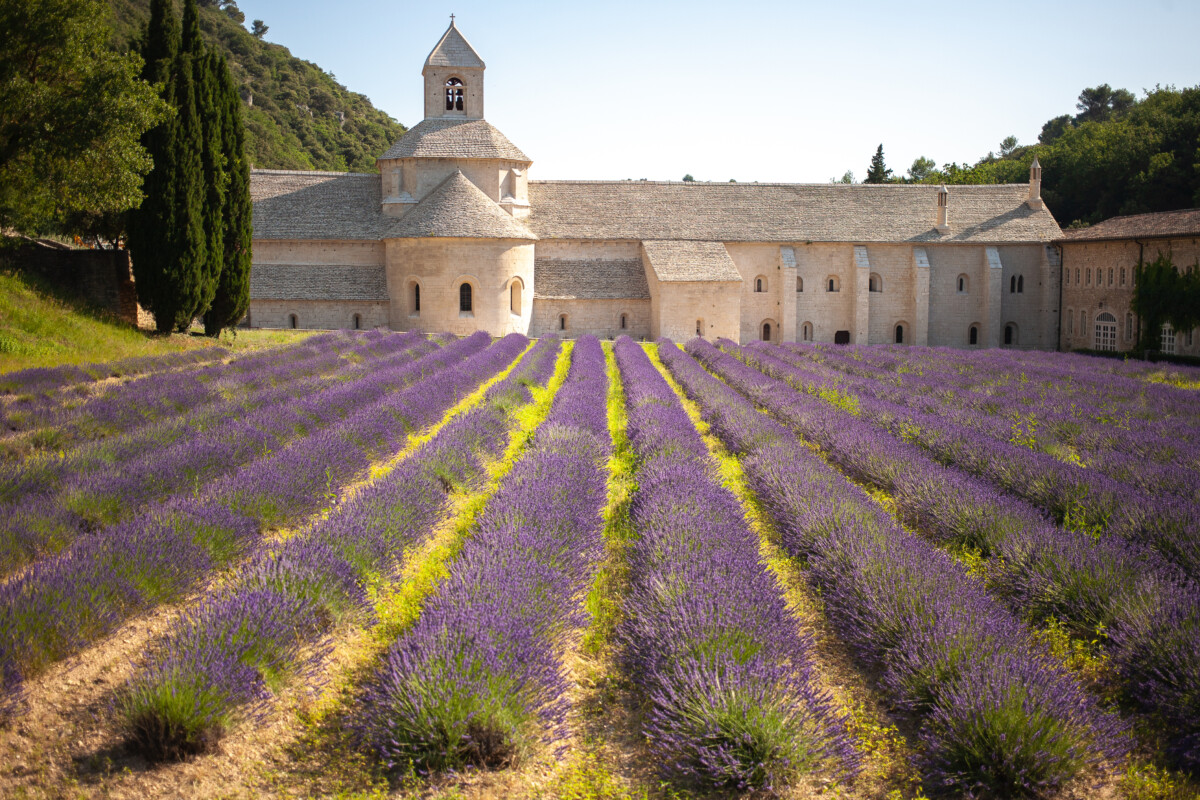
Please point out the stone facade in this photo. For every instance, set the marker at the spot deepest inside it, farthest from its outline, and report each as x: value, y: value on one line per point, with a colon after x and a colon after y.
x: 453, y: 206
x: 1098, y: 265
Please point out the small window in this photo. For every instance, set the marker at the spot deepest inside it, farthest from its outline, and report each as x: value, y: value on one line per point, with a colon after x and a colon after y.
x: 1010, y: 334
x: 1020, y: 284
x: 1070, y: 322
x: 760, y: 285
x: 874, y: 283
x: 832, y: 284
x: 899, y: 334
x: 416, y: 299
x: 464, y: 298
x: 1088, y: 275
x: 1067, y: 277
x: 766, y: 332
x: 1077, y: 276
x: 454, y: 95
x: 1110, y: 276
x: 562, y: 322
x: 699, y: 327
x: 514, y: 297
x: 1082, y: 322
x: 799, y: 284
x: 293, y: 321
x: 624, y: 321
x: 1012, y: 285
x: 973, y: 335
x: 358, y: 322
x: 1128, y: 326
x: 806, y: 332
x: 1122, y: 276
x: 1187, y: 337
x: 962, y: 284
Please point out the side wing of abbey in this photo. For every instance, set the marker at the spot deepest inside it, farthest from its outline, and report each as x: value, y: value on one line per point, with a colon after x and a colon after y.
x: 453, y: 235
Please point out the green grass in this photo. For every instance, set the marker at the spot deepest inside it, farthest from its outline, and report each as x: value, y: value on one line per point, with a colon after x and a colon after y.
x: 40, y: 327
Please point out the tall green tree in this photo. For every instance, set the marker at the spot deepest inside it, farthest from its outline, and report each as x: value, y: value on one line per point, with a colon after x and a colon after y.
x: 233, y: 288
x: 211, y: 157
x: 878, y: 171
x: 72, y: 113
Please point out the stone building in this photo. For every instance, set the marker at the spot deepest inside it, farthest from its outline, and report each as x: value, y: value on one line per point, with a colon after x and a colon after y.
x: 453, y: 235
x: 1098, y: 266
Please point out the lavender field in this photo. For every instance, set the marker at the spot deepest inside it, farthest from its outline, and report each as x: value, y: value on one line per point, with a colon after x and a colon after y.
x: 377, y: 564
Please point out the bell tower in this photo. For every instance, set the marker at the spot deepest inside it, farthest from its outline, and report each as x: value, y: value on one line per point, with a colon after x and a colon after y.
x: 453, y: 78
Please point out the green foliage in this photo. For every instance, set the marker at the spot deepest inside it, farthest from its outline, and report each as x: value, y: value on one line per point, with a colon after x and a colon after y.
x: 212, y: 158
x: 290, y: 106
x: 1163, y: 293
x: 71, y: 115
x: 232, y: 298
x: 878, y: 171
x: 921, y: 169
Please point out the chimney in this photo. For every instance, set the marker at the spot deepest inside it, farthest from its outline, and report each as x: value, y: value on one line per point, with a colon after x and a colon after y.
x: 943, y: 217
x: 1035, y: 184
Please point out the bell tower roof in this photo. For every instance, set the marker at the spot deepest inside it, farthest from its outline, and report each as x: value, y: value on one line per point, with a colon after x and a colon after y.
x: 453, y: 50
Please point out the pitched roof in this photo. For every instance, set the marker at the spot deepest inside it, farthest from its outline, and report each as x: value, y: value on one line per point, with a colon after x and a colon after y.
x: 589, y: 279
x: 690, y: 261
x: 457, y: 209
x: 453, y: 50
x: 741, y: 212
x: 454, y: 138
x: 1185, y: 222
x: 316, y: 205
x: 308, y: 282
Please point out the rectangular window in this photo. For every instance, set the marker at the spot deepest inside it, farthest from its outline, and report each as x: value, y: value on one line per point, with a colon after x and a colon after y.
x: 1129, y: 328
x: 1070, y: 322
x: 1166, y: 341
x: 1089, y: 276
x: 1110, y: 276
x: 1187, y: 339
x: 1122, y: 276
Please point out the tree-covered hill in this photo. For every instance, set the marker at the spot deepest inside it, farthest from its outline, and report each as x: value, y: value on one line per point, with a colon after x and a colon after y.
x: 297, y: 115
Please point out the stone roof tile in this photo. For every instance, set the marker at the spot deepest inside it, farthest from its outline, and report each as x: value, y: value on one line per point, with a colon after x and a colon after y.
x: 457, y: 209
x: 317, y: 282
x: 749, y: 212
x: 453, y: 50
x: 316, y: 205
x: 454, y: 138
x: 1163, y: 224
x: 690, y: 261
x: 589, y: 279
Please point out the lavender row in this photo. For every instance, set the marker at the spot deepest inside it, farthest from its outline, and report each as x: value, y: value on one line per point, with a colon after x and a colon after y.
x: 89, y: 492
x: 164, y: 395
x: 706, y: 634
x: 63, y: 603
x: 1142, y: 607
x: 264, y: 622
x: 1078, y: 498
x: 997, y: 718
x: 480, y: 678
x: 47, y: 379
x: 1156, y: 455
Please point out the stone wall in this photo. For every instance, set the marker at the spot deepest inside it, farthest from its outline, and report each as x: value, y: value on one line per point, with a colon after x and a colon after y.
x: 600, y: 318
x: 677, y: 306
x: 317, y: 314
x: 827, y: 312
x: 101, y: 277
x: 1088, y: 291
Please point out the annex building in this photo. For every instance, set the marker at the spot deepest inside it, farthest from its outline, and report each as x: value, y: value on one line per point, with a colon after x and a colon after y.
x: 453, y: 235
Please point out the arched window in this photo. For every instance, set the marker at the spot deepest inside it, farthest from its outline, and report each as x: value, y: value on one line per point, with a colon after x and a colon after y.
x: 1070, y: 322
x: 1129, y: 327
x: 514, y: 297
x: 293, y: 321
x: 1012, y: 285
x: 766, y: 332
x: 358, y: 322
x: 1077, y: 276
x: 464, y: 298
x: 1020, y: 284
x: 624, y: 321
x: 962, y: 284
x: 562, y: 322
x: 1010, y: 333
x: 699, y: 327
x: 973, y: 335
x: 832, y: 284
x: 454, y: 95
x: 874, y: 283
x: 414, y: 299
x: 1083, y: 322
x: 1106, y: 332
x: 760, y: 284
x: 806, y: 332
x: 1166, y: 339
x: 799, y: 284
x: 1110, y: 276
x: 899, y: 334
x: 1088, y: 274
x: 1122, y: 276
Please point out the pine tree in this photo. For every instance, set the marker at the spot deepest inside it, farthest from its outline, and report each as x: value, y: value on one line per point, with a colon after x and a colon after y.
x: 878, y: 171
x: 151, y: 224
x: 211, y: 160
x: 233, y: 289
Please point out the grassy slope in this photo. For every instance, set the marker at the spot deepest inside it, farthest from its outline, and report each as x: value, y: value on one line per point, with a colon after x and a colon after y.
x: 293, y: 123
x: 39, y: 329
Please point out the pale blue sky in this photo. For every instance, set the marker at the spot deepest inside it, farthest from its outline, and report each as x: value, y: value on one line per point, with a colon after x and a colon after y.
x: 750, y: 89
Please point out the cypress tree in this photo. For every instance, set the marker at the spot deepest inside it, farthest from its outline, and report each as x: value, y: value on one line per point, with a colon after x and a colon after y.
x: 211, y: 158
x: 151, y: 224
x: 233, y: 288
x: 878, y: 171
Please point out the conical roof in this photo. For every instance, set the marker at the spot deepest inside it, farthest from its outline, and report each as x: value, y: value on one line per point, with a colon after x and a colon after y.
x: 453, y: 50
x: 458, y: 209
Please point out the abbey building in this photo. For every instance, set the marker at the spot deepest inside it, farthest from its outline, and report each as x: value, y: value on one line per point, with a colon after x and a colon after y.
x: 453, y: 235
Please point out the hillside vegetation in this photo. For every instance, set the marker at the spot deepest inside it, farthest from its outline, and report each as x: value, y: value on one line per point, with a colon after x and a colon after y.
x: 297, y: 115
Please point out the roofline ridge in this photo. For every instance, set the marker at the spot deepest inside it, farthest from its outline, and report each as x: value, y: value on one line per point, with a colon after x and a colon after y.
x: 1023, y: 186
x: 261, y: 171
